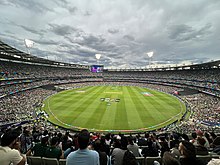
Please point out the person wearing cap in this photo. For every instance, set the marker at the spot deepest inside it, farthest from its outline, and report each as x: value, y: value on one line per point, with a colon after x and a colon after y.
x: 10, y: 149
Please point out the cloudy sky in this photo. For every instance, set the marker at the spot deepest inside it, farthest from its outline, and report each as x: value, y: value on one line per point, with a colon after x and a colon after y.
x: 122, y: 31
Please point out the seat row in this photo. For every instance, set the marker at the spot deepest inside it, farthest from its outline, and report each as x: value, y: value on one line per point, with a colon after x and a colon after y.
x: 33, y: 160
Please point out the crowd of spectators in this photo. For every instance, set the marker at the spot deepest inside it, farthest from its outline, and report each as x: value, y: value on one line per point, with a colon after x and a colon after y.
x: 12, y: 70
x: 21, y: 106
x: 206, y: 80
x: 204, y: 108
x: 105, y: 149
x: 204, y: 112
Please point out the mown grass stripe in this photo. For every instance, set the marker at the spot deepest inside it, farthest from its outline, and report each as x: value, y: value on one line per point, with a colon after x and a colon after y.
x: 132, y: 110
x: 82, y: 112
x: 144, y: 110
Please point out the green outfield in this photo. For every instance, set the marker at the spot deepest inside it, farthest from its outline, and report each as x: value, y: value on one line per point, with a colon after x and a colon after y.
x: 113, y: 109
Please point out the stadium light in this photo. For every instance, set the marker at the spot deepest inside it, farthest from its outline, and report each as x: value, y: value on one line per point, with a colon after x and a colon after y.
x: 98, y: 56
x: 29, y: 44
x: 150, y: 55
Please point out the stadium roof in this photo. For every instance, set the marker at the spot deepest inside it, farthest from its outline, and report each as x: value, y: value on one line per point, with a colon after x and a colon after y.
x: 11, y: 54
x: 122, y: 31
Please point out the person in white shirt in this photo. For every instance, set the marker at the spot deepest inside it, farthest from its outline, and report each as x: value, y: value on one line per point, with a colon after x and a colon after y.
x: 10, y: 149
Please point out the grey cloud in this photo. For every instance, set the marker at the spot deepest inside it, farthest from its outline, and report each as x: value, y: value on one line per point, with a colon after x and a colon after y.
x: 128, y: 30
x: 5, y: 2
x: 61, y: 2
x: 72, y: 9
x: 32, y: 30
x: 87, y: 13
x: 184, y: 32
x: 27, y: 28
x: 66, y: 5
x: 11, y: 38
x: 113, y: 31
x: 78, y: 52
x: 129, y: 37
x: 91, y: 41
x: 30, y: 5
x: 46, y: 42
x: 62, y: 30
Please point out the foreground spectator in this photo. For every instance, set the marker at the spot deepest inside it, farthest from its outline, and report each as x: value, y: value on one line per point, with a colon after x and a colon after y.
x: 169, y: 159
x: 200, y: 148
x: 10, y: 149
x: 103, y: 157
x: 39, y: 148
x: 188, y: 152
x: 53, y: 151
x: 214, y: 162
x: 134, y: 148
x: 83, y: 156
x: 120, y: 147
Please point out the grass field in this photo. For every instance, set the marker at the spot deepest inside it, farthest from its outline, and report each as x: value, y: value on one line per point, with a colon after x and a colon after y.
x: 113, y: 109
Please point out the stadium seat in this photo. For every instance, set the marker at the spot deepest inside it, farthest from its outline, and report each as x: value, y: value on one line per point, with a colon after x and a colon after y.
x: 62, y: 161
x: 150, y: 160
x: 141, y: 160
x: 34, y: 160
x: 50, y: 161
x: 204, y: 158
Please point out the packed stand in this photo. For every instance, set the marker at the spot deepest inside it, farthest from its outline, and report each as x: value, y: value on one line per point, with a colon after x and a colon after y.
x: 117, y: 149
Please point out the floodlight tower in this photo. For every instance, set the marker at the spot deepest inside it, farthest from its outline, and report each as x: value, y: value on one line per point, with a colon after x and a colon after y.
x: 29, y: 44
x: 98, y: 56
x: 150, y: 55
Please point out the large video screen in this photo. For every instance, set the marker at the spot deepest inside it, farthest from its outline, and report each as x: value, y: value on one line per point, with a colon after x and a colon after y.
x: 96, y: 68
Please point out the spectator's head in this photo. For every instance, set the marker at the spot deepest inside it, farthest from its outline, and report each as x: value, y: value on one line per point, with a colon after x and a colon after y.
x: 176, y: 136
x: 124, y: 143
x: 187, y: 149
x: 54, y: 141
x: 130, y: 140
x: 201, y: 141
x: 97, y: 145
x: 45, y: 133
x: 9, y: 138
x: 193, y: 135
x: 169, y: 159
x: 44, y: 140
x: 117, y: 143
x: 199, y: 133
x: 185, y: 137
x: 83, y: 139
